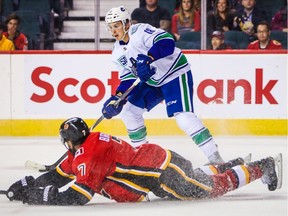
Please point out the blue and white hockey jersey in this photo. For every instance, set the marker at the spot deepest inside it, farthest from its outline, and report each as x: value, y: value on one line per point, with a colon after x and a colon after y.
x: 142, y: 38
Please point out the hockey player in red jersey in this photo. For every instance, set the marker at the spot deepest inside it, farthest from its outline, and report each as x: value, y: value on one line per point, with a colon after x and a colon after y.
x: 103, y: 164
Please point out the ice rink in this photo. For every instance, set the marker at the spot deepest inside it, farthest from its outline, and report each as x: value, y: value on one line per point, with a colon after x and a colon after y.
x: 251, y: 200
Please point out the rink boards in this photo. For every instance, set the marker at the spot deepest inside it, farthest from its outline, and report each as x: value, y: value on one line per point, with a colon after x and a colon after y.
x: 235, y: 92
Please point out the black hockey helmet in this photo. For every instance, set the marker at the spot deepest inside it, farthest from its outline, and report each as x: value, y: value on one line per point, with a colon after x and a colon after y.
x: 74, y: 130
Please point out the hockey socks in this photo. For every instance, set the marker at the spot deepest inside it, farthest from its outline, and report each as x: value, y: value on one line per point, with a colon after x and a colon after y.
x: 201, y: 136
x: 268, y: 169
x: 138, y: 136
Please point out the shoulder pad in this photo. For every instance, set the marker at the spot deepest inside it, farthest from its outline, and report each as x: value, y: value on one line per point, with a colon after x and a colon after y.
x: 276, y: 42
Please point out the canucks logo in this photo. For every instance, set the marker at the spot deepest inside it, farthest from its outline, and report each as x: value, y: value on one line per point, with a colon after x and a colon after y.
x: 123, y: 61
x: 149, y: 31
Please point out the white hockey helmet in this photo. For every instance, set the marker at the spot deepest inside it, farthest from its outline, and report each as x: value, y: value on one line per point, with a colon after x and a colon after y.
x: 117, y: 14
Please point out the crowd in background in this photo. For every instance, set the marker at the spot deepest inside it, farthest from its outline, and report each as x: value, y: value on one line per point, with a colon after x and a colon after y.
x: 31, y: 24
x: 242, y: 17
x: 226, y: 20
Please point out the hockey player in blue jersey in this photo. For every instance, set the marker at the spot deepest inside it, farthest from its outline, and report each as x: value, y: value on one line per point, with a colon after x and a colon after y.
x: 145, y: 52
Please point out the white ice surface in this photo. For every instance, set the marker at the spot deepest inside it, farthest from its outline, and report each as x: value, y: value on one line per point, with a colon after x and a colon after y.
x: 252, y: 200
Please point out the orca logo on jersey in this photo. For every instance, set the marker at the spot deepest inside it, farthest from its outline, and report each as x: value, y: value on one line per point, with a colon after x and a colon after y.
x: 123, y: 60
x: 149, y: 31
x: 134, y: 29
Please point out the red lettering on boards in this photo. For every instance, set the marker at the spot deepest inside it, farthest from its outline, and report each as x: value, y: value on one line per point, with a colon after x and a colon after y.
x: 113, y: 82
x: 261, y: 90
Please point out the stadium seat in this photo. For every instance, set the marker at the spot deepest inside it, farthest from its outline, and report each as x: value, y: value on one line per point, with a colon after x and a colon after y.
x: 189, y: 40
x: 236, y: 39
x: 6, y: 7
x: 271, y: 7
x: 169, y: 5
x: 280, y: 36
x: 31, y: 27
x: 43, y: 9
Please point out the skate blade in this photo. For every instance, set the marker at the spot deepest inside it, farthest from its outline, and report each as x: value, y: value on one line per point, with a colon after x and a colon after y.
x: 279, y: 169
x: 248, y: 158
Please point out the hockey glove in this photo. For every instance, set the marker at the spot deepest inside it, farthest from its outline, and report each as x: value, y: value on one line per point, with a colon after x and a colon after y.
x: 41, y: 196
x: 109, y: 109
x: 17, y: 191
x: 144, y: 70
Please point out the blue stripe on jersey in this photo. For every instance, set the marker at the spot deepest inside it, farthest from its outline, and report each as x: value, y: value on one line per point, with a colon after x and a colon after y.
x: 178, y: 94
x: 186, y: 92
x: 163, y: 46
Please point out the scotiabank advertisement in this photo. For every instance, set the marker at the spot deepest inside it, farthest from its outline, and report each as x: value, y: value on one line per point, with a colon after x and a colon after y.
x: 240, y: 85
x: 58, y: 85
x: 65, y: 85
x: 225, y: 86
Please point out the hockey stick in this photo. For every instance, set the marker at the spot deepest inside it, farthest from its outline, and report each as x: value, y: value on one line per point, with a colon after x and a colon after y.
x: 44, y: 168
x: 3, y: 192
x: 122, y: 97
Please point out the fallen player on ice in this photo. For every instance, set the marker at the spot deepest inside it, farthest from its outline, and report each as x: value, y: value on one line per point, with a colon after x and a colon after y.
x: 103, y: 164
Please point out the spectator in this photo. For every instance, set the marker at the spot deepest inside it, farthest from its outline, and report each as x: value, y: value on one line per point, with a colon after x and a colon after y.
x: 142, y: 3
x: 234, y: 5
x: 279, y: 20
x: 248, y: 18
x: 18, y: 38
x: 218, y: 41
x: 5, y: 44
x: 221, y: 18
x: 186, y: 20
x: 264, y: 41
x: 152, y: 14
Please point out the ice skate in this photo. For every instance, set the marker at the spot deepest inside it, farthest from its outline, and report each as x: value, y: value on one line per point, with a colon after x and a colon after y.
x: 248, y: 158
x: 272, y: 172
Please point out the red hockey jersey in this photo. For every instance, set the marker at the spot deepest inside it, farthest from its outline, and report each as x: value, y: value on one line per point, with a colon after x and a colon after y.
x: 113, y: 168
x: 272, y: 45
